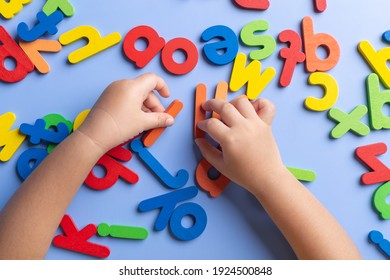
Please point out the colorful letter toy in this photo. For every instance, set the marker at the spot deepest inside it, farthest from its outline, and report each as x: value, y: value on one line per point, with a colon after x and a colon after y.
x: 253, y: 4
x: 383, y: 244
x: 80, y: 119
x: 312, y: 42
x: 33, y: 49
x: 45, y: 24
x: 10, y: 49
x: 200, y: 114
x: 63, y: 5
x: 77, y: 241
x: 126, y: 232
x: 376, y: 100
x: 214, y: 187
x: 367, y: 154
x: 9, y: 8
x: 38, y: 132
x: 52, y: 120
x: 303, y: 175
x: 331, y: 92
x: 113, y: 170
x: 250, y: 75
x: 95, y: 45
x: 221, y: 94
x: 168, y: 213
x: 173, y: 182
x: 386, y: 36
x: 29, y: 160
x: 349, y: 122
x: 155, y: 44
x: 228, y: 44
x: 167, y: 203
x: 320, y: 5
x: 10, y: 140
x: 377, y: 60
x: 151, y: 136
x: 380, y: 203
x: 292, y: 55
x: 198, y: 215
x: 266, y: 43
x: 191, y: 54
x: 120, y: 153
x: 200, y: 97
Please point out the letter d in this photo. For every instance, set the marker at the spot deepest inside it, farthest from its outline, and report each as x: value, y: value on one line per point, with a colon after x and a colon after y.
x: 10, y: 49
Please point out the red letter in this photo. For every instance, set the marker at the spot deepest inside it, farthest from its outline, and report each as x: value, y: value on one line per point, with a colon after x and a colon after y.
x: 291, y: 54
x: 77, y: 241
x: 114, y: 170
x: 320, y: 5
x: 154, y: 44
x: 191, y: 56
x: 367, y: 154
x: 253, y: 4
x: 10, y: 49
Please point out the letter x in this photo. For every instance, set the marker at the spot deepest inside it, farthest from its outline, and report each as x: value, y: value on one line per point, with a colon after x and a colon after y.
x: 349, y: 122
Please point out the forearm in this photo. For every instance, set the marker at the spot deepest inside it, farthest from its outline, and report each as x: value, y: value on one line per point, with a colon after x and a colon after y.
x: 31, y: 217
x: 310, y: 229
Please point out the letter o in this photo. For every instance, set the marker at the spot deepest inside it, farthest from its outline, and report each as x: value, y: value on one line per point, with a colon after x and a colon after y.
x: 188, y: 209
x: 191, y: 56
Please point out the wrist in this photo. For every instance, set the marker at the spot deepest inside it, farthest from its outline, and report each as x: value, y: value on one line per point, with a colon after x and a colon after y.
x: 101, y: 129
x: 84, y: 140
x: 267, y: 181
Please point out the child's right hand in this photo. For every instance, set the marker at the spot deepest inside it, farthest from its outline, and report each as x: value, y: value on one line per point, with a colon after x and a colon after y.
x: 249, y: 154
x: 125, y: 109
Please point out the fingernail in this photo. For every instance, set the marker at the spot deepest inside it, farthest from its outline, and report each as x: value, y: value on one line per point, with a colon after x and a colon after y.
x: 201, y: 125
x: 197, y: 141
x: 169, y: 122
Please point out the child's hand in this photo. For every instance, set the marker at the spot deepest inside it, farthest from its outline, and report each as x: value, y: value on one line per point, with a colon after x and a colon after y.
x: 249, y: 152
x: 125, y: 109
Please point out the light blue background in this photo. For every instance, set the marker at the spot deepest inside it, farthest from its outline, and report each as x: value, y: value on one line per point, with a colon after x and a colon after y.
x: 238, y: 228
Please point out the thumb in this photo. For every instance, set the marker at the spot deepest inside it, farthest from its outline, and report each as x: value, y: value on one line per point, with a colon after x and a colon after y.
x: 156, y: 120
x: 210, y: 153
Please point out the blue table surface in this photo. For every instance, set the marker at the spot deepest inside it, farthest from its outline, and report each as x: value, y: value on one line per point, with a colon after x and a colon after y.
x: 238, y: 227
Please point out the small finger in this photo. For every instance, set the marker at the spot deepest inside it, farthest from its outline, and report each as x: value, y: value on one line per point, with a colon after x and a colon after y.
x: 244, y: 106
x: 215, y: 128
x: 229, y: 114
x: 210, y: 153
x: 145, y: 109
x: 152, y: 102
x: 150, y: 82
x: 156, y: 120
x: 265, y: 110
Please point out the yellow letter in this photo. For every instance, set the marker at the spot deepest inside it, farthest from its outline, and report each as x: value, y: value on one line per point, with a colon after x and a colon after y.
x: 331, y: 92
x: 377, y: 60
x: 10, y: 8
x: 9, y: 140
x: 95, y: 43
x: 250, y: 75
